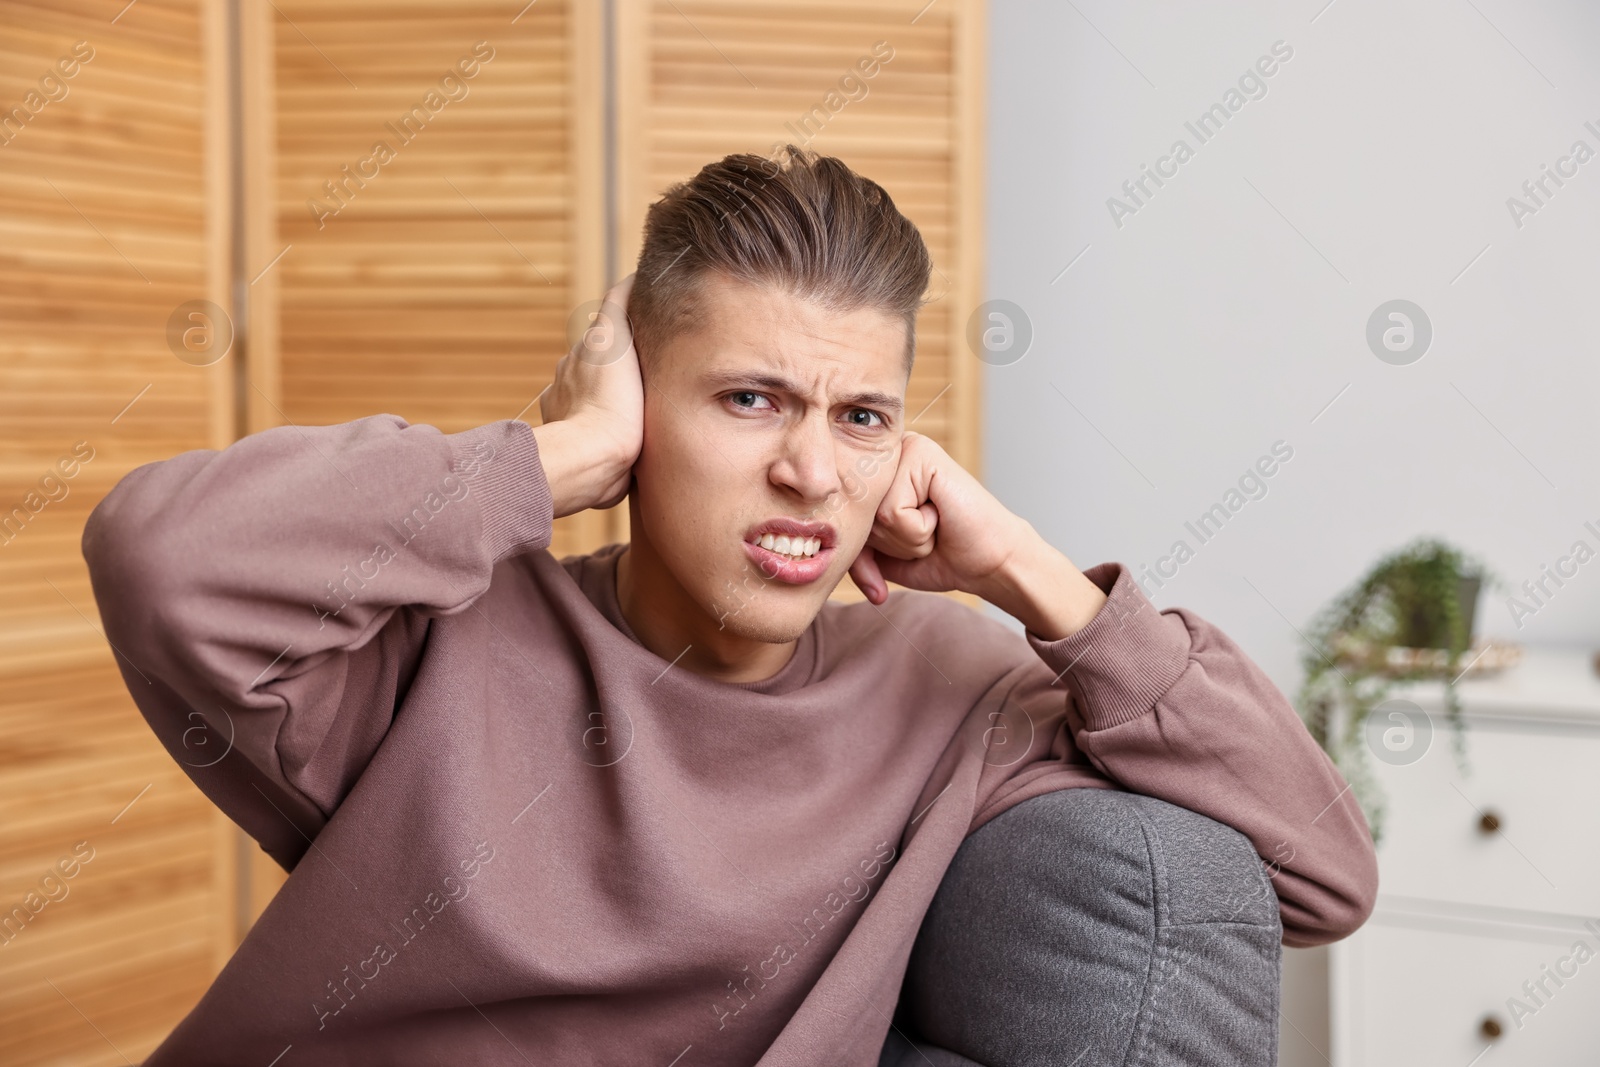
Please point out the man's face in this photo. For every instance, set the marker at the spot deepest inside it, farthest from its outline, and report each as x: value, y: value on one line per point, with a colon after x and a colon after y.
x: 773, y: 417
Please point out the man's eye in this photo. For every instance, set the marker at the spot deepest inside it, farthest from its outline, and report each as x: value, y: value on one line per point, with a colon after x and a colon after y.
x: 864, y: 417
x: 746, y: 399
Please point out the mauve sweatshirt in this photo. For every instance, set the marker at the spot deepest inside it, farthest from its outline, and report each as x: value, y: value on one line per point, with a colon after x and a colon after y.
x: 517, y: 836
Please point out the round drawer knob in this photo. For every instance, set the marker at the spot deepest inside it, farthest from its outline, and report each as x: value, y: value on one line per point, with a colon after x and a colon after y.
x: 1490, y: 1028
x: 1489, y: 822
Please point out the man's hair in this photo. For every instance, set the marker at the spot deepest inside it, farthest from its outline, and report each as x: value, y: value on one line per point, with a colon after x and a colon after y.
x: 807, y: 225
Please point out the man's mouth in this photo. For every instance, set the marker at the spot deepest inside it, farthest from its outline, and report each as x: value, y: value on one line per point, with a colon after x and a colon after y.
x: 790, y: 550
x: 795, y: 547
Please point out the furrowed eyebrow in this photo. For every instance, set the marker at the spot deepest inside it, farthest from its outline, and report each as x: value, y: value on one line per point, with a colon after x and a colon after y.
x: 777, y: 384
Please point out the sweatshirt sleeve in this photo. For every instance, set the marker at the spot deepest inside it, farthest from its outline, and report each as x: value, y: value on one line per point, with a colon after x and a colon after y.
x: 1167, y: 705
x: 269, y: 602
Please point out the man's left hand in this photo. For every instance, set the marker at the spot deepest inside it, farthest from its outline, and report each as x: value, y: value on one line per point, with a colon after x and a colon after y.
x: 938, y: 529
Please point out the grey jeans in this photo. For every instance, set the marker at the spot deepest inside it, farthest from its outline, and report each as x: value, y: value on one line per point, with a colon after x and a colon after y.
x: 1095, y: 928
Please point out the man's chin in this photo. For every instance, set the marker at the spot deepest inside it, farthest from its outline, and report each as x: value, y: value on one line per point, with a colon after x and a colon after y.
x: 776, y: 617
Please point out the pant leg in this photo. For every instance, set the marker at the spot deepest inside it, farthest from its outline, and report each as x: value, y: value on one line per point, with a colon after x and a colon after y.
x: 1094, y: 927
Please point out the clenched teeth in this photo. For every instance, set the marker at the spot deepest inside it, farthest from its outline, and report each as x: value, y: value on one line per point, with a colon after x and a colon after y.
x: 793, y: 547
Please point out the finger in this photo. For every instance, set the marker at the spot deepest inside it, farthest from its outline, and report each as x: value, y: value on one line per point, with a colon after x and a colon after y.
x: 864, y: 571
x: 609, y: 336
x: 552, y: 398
x: 617, y: 492
x: 908, y: 490
x: 898, y: 571
x: 908, y: 534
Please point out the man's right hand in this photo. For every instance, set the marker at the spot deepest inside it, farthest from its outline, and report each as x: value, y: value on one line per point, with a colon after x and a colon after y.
x: 594, y: 413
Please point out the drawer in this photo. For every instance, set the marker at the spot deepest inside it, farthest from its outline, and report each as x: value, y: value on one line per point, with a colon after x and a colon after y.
x: 1542, y: 790
x: 1410, y: 996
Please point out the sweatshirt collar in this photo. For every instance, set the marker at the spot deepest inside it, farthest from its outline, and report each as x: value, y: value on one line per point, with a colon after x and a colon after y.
x: 599, y: 583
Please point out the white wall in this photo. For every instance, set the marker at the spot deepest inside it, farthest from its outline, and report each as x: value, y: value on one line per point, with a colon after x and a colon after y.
x: 1231, y: 308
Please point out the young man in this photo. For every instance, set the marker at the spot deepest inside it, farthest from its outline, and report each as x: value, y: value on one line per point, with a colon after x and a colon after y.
x: 665, y: 803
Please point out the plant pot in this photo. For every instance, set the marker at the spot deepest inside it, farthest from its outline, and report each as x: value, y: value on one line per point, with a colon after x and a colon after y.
x: 1469, y: 588
x: 1425, y: 627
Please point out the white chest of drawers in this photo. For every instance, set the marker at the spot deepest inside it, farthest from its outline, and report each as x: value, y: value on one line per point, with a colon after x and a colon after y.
x: 1484, y: 946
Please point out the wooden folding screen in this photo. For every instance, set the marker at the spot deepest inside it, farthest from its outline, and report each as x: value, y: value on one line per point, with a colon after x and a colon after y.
x: 116, y: 874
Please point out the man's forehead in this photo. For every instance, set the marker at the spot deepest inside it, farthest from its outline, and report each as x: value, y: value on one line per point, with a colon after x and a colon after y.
x: 797, y: 343
x: 755, y: 311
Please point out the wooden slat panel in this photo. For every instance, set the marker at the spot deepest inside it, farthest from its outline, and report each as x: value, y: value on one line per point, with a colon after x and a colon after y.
x: 441, y: 288
x: 105, y: 233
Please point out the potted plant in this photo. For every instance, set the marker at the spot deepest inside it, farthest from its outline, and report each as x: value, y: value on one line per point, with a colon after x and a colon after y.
x: 1410, y: 618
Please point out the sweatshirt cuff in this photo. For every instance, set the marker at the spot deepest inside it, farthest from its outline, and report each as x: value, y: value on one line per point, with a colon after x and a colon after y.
x: 1125, y: 658
x: 500, y: 462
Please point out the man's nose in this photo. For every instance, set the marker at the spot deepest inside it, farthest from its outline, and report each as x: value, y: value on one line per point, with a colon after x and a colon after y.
x: 808, y: 463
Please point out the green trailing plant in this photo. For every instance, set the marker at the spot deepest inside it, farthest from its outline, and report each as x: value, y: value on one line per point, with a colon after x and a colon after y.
x: 1362, y: 646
